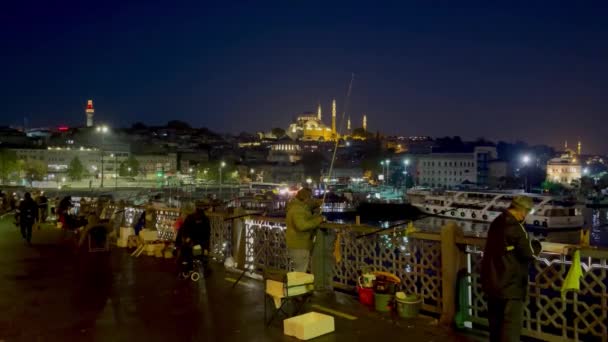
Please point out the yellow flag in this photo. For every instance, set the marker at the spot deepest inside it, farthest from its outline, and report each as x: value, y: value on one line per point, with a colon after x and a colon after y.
x: 410, y: 228
x: 337, y: 251
x: 573, y: 279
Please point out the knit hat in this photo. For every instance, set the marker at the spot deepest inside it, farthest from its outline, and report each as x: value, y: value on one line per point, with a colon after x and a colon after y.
x: 523, y: 203
x: 304, y: 194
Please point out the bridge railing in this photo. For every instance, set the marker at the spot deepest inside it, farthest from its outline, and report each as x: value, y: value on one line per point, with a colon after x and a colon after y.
x: 580, y: 315
x: 429, y: 265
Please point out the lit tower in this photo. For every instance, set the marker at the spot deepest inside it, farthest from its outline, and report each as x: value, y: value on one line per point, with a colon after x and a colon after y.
x: 333, y: 116
x: 348, y: 124
x: 365, y: 122
x: 319, y: 112
x: 579, y: 148
x: 90, y: 113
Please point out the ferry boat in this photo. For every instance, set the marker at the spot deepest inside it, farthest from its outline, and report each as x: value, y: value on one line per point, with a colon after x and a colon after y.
x: 548, y: 211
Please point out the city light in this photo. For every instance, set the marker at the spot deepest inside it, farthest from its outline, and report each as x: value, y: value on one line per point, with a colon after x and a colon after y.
x: 308, y: 181
x: 586, y: 171
x: 102, y: 129
x: 222, y: 164
x: 526, y: 159
x: 406, y: 162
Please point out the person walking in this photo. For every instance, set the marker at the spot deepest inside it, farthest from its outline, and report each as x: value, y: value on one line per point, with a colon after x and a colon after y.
x: 504, y: 270
x: 301, y: 226
x: 43, y: 204
x: 28, y: 215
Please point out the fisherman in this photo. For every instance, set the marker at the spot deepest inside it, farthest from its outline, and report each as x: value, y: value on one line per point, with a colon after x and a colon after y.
x: 196, y: 230
x: 504, y: 270
x: 301, y: 226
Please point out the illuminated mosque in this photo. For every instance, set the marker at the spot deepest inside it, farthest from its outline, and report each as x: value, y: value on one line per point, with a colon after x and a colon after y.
x: 310, y: 127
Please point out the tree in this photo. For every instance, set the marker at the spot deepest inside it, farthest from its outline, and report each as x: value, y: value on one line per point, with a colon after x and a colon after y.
x: 76, y: 170
x: 278, y: 132
x: 361, y: 133
x: 34, y: 170
x: 602, y: 183
x: 554, y: 188
x: 129, y: 168
x: 8, y: 164
x: 587, y: 185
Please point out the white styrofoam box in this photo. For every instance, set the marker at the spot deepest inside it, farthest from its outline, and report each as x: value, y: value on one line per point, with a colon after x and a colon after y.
x: 308, y: 325
x: 297, y: 283
x: 122, y: 243
x: 148, y: 235
x: 125, y: 232
x: 299, y: 278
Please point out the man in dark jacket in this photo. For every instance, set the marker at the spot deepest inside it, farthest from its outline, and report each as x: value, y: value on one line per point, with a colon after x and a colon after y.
x: 196, y: 230
x: 504, y: 270
x: 28, y: 214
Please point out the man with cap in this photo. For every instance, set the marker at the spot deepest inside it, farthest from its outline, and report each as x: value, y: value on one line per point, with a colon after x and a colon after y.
x: 504, y: 270
x: 301, y: 225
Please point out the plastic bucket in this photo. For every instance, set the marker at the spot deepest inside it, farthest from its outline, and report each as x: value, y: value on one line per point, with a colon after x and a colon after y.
x: 408, y: 307
x: 366, y: 295
x: 382, y: 302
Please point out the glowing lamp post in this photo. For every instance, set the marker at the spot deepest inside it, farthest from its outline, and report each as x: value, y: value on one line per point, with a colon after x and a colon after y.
x: 526, y: 159
x: 406, y: 164
x: 222, y: 165
x: 103, y: 130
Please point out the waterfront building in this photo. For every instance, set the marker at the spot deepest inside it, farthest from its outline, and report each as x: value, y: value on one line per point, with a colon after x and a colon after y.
x: 452, y: 169
x: 564, y: 169
x: 285, y: 151
x: 153, y: 165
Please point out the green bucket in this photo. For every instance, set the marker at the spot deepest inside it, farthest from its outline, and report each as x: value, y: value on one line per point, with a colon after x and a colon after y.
x: 382, y: 302
x: 408, y: 307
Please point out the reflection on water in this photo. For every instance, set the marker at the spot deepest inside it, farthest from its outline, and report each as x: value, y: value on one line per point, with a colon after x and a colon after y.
x: 595, y: 219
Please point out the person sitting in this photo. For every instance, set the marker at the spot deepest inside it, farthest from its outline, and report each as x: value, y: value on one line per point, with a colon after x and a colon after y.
x: 196, y: 230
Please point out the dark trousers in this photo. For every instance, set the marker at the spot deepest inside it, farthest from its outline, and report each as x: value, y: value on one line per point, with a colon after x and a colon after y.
x: 505, y: 317
x: 185, y: 259
x: 26, y: 230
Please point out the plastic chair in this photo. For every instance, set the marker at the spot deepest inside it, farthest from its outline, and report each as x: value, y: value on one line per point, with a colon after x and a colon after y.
x: 296, y: 295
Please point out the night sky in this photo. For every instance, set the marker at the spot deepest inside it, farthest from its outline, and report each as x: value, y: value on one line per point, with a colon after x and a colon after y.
x: 514, y: 72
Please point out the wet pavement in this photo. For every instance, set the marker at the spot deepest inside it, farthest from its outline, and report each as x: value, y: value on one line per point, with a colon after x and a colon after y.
x: 49, y: 293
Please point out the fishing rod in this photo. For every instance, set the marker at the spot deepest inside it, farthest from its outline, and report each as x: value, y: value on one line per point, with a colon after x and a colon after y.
x: 406, y: 222
x: 333, y: 158
x: 425, y: 215
x: 331, y: 168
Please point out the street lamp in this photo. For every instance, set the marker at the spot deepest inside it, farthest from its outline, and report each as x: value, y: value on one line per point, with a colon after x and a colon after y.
x: 103, y: 130
x: 526, y: 161
x: 222, y: 165
x: 308, y: 181
x: 387, y: 169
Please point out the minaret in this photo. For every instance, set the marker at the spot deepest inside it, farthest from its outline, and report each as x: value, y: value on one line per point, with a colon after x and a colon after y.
x: 365, y: 122
x: 90, y: 113
x: 333, y: 116
x: 348, y: 124
x: 579, y: 147
x: 566, y: 145
x: 319, y: 112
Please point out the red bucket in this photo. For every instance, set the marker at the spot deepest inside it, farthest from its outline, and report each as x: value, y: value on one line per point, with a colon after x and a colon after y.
x: 366, y: 295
